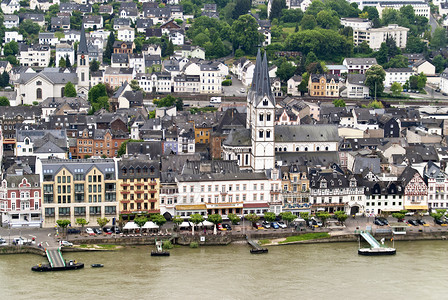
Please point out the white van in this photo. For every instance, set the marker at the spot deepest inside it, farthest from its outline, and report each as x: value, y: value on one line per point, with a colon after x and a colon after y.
x: 215, y: 100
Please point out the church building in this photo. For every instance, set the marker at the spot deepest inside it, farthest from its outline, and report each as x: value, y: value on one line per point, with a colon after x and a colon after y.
x: 262, y: 145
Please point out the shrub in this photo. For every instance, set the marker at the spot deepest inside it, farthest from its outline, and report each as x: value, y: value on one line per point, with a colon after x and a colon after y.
x: 227, y: 82
x: 167, y: 245
x: 194, y: 245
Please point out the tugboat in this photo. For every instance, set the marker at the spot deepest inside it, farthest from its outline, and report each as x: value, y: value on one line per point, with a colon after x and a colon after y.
x: 72, y: 265
x: 376, y: 248
x: 159, y: 251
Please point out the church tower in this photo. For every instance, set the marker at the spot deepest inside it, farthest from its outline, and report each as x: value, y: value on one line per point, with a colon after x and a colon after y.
x: 260, y: 115
x: 82, y: 69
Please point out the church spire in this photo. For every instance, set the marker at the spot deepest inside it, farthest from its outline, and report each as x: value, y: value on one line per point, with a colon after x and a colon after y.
x: 256, y: 72
x: 82, y: 47
x: 266, y: 83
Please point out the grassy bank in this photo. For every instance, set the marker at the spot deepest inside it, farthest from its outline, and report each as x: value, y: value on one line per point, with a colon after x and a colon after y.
x: 306, y: 236
x: 100, y: 246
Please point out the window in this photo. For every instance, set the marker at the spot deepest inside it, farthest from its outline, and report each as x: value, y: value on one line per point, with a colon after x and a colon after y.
x: 260, y: 134
x: 268, y: 117
x: 268, y: 134
x: 261, y: 117
x: 39, y: 93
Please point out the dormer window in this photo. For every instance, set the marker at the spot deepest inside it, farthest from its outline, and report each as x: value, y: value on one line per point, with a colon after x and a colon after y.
x: 323, y: 184
x: 265, y: 102
x: 38, y: 82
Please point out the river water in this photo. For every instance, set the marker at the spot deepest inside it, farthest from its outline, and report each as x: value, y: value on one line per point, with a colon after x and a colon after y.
x: 321, y: 271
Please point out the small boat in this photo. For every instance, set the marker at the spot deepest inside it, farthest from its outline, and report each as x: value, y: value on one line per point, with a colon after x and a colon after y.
x: 377, y: 251
x: 162, y: 253
x: 97, y: 265
x: 258, y: 251
x: 48, y: 268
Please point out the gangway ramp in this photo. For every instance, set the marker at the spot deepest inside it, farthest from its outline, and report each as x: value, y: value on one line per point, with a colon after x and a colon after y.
x: 55, y: 258
x: 256, y: 248
x: 370, y: 239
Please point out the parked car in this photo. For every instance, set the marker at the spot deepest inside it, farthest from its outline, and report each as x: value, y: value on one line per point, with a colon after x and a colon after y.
x: 220, y: 227
x: 405, y: 90
x: 438, y: 90
x: 383, y: 220
x: 73, y: 231
x: 412, y: 222
x: 97, y: 230
x: 378, y: 222
x: 421, y: 222
x: 2, y: 241
x: 66, y: 244
x: 257, y: 225
x: 440, y: 222
x: 281, y: 224
x: 317, y: 222
x: 242, y: 90
x: 275, y: 225
x: 108, y: 230
x: 90, y: 231
x: 117, y: 230
x: 266, y: 224
x: 227, y: 226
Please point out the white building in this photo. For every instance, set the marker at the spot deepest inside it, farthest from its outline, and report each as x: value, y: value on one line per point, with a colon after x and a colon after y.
x: 374, y: 37
x: 13, y: 36
x: 10, y: 6
x: 126, y: 34
x: 400, y: 75
x: 48, y: 38
x: 444, y: 81
x: 11, y: 21
x: 356, y: 87
x: 211, y: 78
x: 421, y: 8
x: 293, y: 85
x: 34, y: 56
x: 356, y: 23
x: 64, y: 50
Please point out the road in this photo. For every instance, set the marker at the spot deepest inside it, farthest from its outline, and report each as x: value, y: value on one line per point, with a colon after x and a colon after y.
x: 235, y: 89
x: 433, y: 23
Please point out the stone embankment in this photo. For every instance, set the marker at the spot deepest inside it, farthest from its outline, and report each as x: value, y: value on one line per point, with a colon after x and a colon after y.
x: 21, y: 250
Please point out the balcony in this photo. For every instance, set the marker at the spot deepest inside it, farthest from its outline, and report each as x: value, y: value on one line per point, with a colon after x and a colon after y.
x: 48, y: 192
x: 275, y: 192
x: 125, y: 192
x: 79, y: 192
x: 125, y: 184
x: 138, y: 201
x: 125, y: 201
x: 139, y: 191
x: 139, y: 184
x: 152, y: 183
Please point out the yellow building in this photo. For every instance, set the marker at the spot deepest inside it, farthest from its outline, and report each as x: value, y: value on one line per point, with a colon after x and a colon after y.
x: 295, y: 185
x: 323, y: 85
x: 139, y: 187
x: 82, y: 188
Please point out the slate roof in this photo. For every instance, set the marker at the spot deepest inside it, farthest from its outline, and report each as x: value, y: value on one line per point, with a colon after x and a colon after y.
x: 78, y: 166
x: 53, y: 75
x: 306, y: 133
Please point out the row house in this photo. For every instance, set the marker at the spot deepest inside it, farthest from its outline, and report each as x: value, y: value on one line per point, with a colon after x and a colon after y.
x: 98, y: 142
x: 138, y: 187
x: 333, y: 191
x: 437, y: 182
x: 358, y: 65
x: 294, y: 189
x: 206, y: 189
x: 323, y: 85
x: 20, y: 199
x: 189, y: 84
x: 415, y: 190
x: 34, y: 56
x: 115, y: 77
x: 78, y: 189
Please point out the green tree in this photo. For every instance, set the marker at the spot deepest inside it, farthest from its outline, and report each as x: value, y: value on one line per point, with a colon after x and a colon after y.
x: 252, y: 218
x: 4, y: 101
x: 109, y: 47
x: 398, y: 215
x: 245, y: 34
x: 285, y: 71
x: 439, y: 63
x: 399, y: 61
x: 61, y: 63
x: 242, y: 7
x: 308, y: 22
x: 140, y: 221
x: 415, y: 45
x: 323, y: 216
x: 215, y: 219
x: 158, y: 219
x: 339, y: 103
x: 328, y: 19
x: 28, y: 28
x: 288, y: 216
x: 94, y: 66
x: 438, y: 214
x: 396, y: 89
x: 341, y: 216
x: 375, y: 77
x: 269, y: 216
x: 375, y: 104
x: 277, y: 8
x: 196, y: 219
x: 135, y: 86
x: 177, y: 220
x: 305, y: 216
x: 438, y: 39
x: 68, y: 63
x: 83, y: 222
x: 63, y: 224
x: 233, y: 218
x: 69, y: 90
x: 4, y: 79
x: 98, y: 98
x: 102, y: 222
x: 11, y: 48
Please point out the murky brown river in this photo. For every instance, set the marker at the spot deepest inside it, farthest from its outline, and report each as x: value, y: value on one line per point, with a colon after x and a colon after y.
x: 322, y: 271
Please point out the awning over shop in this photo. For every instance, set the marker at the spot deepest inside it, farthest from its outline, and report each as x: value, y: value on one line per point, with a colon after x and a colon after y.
x: 150, y: 225
x: 416, y: 207
x: 185, y: 224
x: 256, y: 205
x: 130, y: 225
x: 190, y: 207
x: 207, y: 223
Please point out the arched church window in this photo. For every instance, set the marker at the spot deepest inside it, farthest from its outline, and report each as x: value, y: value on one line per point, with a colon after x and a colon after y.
x: 317, y: 148
x: 268, y: 133
x: 268, y: 117
x: 261, y: 117
x: 260, y: 133
x: 306, y: 148
x: 284, y: 149
x: 39, y: 93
